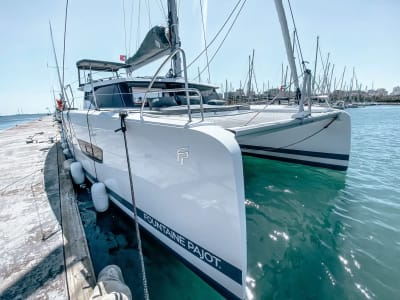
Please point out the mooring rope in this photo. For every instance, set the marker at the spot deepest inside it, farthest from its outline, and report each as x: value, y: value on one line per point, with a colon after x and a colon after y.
x: 123, y: 115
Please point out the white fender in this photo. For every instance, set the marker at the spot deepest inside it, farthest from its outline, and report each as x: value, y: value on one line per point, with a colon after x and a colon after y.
x: 78, y: 176
x: 67, y: 153
x: 111, y: 285
x: 67, y: 164
x: 99, y: 197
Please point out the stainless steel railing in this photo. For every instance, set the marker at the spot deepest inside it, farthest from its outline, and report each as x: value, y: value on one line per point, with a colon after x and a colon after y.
x: 186, y: 89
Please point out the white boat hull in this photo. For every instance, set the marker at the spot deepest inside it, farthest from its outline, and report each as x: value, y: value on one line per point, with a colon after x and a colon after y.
x: 188, y: 187
x: 321, y: 140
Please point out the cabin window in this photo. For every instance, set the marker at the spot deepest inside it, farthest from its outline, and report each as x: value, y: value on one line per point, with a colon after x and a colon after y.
x: 108, y: 96
x: 89, y: 101
x: 114, y: 96
x: 138, y: 97
x: 126, y: 93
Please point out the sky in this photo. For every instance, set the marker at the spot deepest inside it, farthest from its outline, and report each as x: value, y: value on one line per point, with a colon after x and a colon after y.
x: 363, y: 34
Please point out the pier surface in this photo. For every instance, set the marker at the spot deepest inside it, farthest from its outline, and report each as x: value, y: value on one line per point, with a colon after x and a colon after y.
x: 41, y: 256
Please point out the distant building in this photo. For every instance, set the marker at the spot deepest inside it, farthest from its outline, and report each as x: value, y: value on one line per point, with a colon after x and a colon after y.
x: 273, y: 92
x: 396, y: 91
x: 378, y: 92
x: 239, y: 93
x: 381, y: 92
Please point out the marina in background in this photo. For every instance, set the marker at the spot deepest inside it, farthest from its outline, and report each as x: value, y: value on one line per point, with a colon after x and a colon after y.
x: 199, y: 190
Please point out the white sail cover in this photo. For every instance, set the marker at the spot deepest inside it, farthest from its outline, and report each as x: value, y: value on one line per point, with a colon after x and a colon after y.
x: 155, y: 45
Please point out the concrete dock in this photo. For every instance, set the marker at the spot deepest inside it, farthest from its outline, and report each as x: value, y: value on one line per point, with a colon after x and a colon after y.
x: 41, y: 255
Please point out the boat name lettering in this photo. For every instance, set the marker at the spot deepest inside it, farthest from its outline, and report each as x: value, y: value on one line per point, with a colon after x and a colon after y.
x: 165, y: 230
x: 203, y: 254
x: 192, y: 247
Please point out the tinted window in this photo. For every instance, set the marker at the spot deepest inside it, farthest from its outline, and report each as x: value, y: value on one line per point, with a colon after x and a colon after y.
x: 89, y: 98
x: 109, y: 96
x: 126, y: 95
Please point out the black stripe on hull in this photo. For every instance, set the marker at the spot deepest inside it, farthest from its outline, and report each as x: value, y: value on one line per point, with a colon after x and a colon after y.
x: 296, y: 152
x: 296, y: 161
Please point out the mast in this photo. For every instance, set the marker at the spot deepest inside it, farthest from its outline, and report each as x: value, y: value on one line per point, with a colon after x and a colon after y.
x: 315, y: 66
x: 330, y: 80
x: 288, y: 45
x: 326, y: 72
x: 285, y: 81
x: 251, y: 66
x: 173, y: 26
x: 226, y: 88
x: 249, y: 83
x: 57, y: 67
x: 341, y: 80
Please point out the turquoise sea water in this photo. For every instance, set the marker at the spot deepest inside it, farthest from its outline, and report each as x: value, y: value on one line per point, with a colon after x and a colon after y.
x: 312, y: 233
x: 320, y: 234
x: 13, y: 120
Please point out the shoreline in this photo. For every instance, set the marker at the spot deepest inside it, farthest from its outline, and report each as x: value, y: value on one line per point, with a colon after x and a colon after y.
x: 12, y: 121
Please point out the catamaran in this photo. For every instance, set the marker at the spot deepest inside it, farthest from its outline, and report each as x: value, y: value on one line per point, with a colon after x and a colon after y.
x: 187, y: 175
x: 184, y: 147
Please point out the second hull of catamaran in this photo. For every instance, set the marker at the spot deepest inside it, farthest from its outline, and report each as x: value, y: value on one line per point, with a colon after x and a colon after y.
x: 188, y: 186
x: 321, y: 139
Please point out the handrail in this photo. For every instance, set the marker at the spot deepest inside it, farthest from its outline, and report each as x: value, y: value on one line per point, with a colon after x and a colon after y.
x: 193, y: 90
x: 186, y: 89
x: 68, y: 86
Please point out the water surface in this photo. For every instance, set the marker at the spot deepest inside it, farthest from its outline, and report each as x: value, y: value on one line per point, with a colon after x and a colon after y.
x: 14, y: 120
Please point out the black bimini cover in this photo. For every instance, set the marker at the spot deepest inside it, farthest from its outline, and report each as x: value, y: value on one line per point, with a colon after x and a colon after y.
x: 155, y: 45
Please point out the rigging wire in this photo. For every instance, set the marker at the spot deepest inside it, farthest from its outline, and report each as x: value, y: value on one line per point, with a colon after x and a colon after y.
x: 138, y: 28
x: 123, y: 9
x: 272, y: 101
x: 204, y: 38
x: 63, y: 77
x: 162, y: 9
x: 297, y: 47
x: 65, y: 37
x: 297, y: 37
x: 148, y: 13
x: 130, y: 29
x: 268, y: 103
x: 226, y: 35
x: 215, y: 37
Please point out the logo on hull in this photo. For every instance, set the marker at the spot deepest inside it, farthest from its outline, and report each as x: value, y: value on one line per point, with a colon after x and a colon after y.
x: 182, y: 154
